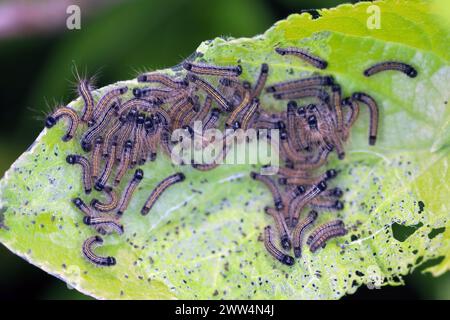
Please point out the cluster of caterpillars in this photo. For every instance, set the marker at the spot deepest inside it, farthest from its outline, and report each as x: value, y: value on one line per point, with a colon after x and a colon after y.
x: 119, y: 136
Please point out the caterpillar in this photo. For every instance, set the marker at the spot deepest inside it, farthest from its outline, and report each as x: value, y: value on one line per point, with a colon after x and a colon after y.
x: 373, y: 108
x: 325, y: 236
x: 104, y: 103
x: 301, y: 201
x: 107, y: 170
x: 304, y: 55
x: 64, y: 112
x: 276, y: 194
x: 299, y: 231
x: 320, y: 229
x: 105, y: 222
x: 391, y: 65
x: 86, y: 168
x: 109, y: 206
x: 163, y: 79
x: 89, y: 245
x: 293, y: 85
x: 213, y: 93
x: 282, y: 228
x: 84, y: 89
x: 222, y: 71
x: 261, y: 81
x: 274, y: 251
x: 132, y: 185
x: 160, y: 188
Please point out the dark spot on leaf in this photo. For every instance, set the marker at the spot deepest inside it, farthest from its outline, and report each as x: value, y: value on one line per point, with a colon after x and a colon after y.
x: 421, y: 206
x: 430, y: 263
x: 401, y: 232
x: 435, y: 232
x: 2, y: 218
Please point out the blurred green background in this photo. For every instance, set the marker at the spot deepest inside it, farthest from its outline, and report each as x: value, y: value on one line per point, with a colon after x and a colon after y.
x: 117, y: 40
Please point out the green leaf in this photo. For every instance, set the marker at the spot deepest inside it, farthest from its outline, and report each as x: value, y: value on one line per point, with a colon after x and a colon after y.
x: 201, y: 238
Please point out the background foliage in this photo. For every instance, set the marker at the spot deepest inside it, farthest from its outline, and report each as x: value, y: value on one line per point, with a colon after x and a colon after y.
x: 39, y: 69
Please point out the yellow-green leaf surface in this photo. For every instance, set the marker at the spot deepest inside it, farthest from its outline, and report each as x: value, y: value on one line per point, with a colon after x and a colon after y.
x: 201, y: 240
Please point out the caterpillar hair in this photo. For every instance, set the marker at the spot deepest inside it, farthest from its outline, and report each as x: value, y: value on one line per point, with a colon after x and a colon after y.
x: 391, y: 65
x: 108, y: 206
x: 320, y: 229
x: 373, y: 109
x: 64, y: 112
x: 296, y: 206
x: 160, y: 188
x: 293, y: 85
x: 221, y: 71
x: 273, y: 250
x: 213, y: 93
x: 163, y: 79
x: 281, y: 227
x: 321, y: 241
x: 261, y: 81
x: 270, y: 184
x: 104, y: 222
x: 304, y: 55
x: 101, y: 182
x: 299, y: 231
x: 104, y: 103
x: 125, y: 201
x: 86, y: 168
x: 89, y: 245
x: 84, y: 89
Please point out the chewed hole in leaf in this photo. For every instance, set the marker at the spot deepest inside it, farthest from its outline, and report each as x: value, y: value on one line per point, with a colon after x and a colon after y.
x: 403, y: 232
x: 435, y: 232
